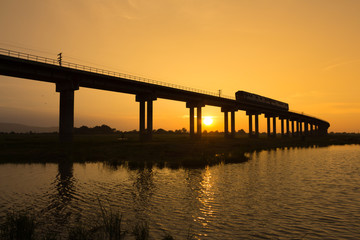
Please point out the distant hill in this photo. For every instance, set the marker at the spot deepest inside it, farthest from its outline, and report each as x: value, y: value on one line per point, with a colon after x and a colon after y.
x: 21, y: 128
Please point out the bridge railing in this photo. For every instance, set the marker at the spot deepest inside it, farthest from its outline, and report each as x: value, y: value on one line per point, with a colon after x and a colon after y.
x: 307, y: 115
x: 36, y: 58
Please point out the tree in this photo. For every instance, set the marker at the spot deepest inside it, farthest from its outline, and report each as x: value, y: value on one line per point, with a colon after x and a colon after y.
x: 241, y: 132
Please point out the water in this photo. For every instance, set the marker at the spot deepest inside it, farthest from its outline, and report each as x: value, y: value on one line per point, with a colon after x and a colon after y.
x: 308, y: 193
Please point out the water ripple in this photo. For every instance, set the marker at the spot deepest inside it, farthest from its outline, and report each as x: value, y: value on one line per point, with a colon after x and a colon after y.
x: 283, y: 194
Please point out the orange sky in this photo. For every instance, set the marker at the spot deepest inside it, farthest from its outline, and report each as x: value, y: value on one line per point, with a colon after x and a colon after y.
x: 303, y: 52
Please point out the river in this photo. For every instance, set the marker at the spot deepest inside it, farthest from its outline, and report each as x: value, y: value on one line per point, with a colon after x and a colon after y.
x: 296, y: 193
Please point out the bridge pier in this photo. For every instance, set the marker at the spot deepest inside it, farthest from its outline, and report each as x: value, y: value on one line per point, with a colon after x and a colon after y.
x: 198, y: 106
x: 268, y: 126
x: 199, y: 121
x: 254, y: 133
x: 232, y: 123
x: 142, y: 118
x: 256, y: 125
x: 150, y: 118
x: 66, y: 110
x: 282, y: 127
x: 274, y: 126
x: 250, y: 125
x: 192, y: 119
x: 145, y: 134
x: 268, y: 117
x: 226, y: 111
x: 287, y: 128
x: 323, y: 130
x: 226, y: 123
x: 292, y: 128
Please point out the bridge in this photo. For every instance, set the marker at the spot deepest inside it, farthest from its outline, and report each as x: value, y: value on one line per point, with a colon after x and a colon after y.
x: 68, y: 77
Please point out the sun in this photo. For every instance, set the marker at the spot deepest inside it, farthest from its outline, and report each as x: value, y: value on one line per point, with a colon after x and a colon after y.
x: 208, y: 121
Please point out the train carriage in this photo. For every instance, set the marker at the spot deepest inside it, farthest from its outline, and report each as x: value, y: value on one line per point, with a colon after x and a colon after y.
x: 260, y: 101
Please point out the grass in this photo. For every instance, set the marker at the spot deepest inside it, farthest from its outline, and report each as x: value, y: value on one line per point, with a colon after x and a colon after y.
x: 23, y: 226
x: 111, y: 224
x: 18, y: 226
x: 141, y: 231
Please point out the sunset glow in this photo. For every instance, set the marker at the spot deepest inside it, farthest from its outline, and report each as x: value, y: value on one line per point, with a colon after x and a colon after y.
x: 208, y: 120
x: 305, y: 53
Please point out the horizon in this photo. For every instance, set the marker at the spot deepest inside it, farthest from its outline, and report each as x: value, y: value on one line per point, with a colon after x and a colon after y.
x: 119, y: 130
x: 305, y: 54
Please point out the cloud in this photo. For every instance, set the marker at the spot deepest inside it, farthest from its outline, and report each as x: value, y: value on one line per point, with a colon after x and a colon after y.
x: 345, y: 107
x: 340, y: 64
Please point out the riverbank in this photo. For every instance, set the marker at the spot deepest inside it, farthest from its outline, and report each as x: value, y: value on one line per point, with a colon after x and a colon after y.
x: 165, y: 149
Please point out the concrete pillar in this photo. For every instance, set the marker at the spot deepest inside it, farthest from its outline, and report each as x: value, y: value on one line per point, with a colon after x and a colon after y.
x: 256, y: 125
x: 287, y: 127
x: 268, y: 127
x: 226, y: 124
x: 145, y: 133
x: 66, y: 118
x: 274, y: 126
x: 305, y: 128
x: 192, y: 106
x: 226, y: 110
x: 323, y: 129
x: 142, y: 117
x: 192, y: 119
x: 301, y: 129
x: 149, y: 118
x: 199, y: 120
x: 250, y: 125
x: 282, y: 127
x: 292, y: 128
x: 232, y: 123
x: 66, y: 110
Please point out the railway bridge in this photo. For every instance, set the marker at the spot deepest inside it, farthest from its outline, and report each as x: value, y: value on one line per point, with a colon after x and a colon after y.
x: 68, y: 77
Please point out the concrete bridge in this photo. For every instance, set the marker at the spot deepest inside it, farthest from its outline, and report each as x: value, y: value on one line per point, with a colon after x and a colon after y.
x: 68, y: 77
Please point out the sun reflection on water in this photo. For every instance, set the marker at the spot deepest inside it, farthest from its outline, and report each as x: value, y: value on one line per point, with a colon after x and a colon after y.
x: 206, y: 197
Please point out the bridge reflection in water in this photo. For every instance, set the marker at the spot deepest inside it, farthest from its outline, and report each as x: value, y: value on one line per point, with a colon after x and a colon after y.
x: 285, y: 193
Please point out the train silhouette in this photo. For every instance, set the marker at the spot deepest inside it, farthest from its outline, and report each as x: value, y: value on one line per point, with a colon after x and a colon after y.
x: 260, y: 101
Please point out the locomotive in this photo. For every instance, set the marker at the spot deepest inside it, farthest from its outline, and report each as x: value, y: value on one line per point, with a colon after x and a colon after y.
x: 260, y: 101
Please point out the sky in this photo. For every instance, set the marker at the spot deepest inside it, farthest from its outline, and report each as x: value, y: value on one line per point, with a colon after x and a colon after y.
x: 303, y: 52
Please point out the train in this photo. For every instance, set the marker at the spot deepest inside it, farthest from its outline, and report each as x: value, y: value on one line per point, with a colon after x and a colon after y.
x: 260, y: 101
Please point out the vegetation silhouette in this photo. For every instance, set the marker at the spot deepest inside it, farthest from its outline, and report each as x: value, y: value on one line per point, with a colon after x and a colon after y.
x: 25, y: 226
x: 171, y: 149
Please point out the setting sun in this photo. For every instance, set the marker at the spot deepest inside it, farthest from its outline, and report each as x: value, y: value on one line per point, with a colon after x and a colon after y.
x: 208, y: 121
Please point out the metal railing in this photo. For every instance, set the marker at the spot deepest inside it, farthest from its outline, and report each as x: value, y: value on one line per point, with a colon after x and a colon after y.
x: 35, y: 58
x: 307, y: 115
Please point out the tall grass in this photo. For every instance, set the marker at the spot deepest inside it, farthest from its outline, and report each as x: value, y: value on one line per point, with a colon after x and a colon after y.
x: 111, y: 224
x: 141, y: 231
x: 79, y: 233
x: 23, y: 226
x: 18, y: 226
